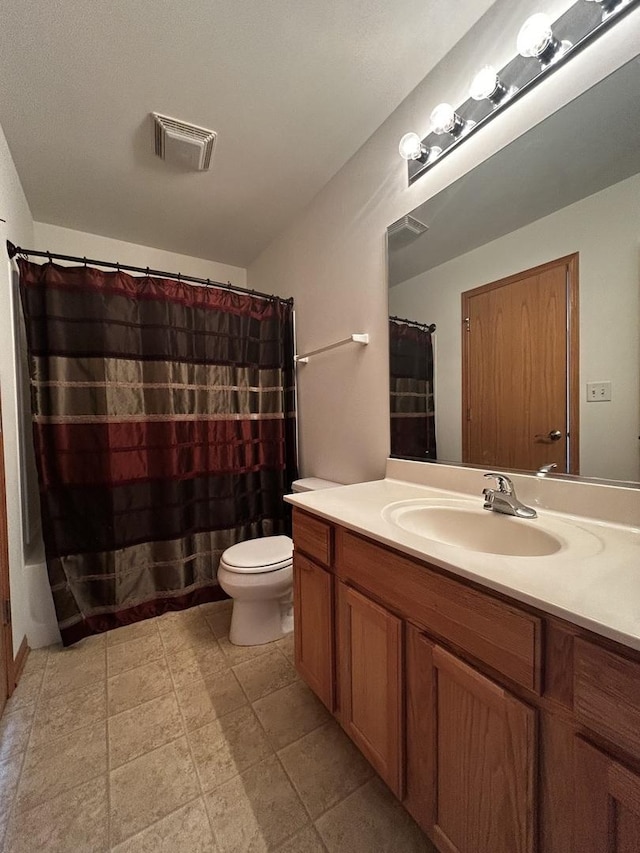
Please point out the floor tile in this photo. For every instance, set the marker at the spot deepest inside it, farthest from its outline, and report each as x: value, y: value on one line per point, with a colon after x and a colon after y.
x: 75, y: 820
x: 77, y: 666
x: 9, y: 776
x: 290, y: 713
x: 15, y: 728
x: 36, y: 661
x: 155, y: 679
x: 190, y: 664
x: 185, y: 634
x: 265, y: 674
x: 186, y: 829
x: 219, y: 618
x: 256, y: 810
x: 128, y: 655
x: 151, y: 787
x: 138, y: 685
x: 59, y: 714
x: 81, y: 652
x: 372, y: 819
x: 228, y: 746
x: 62, y: 764
x: 135, y: 631
x: 143, y: 728
x: 180, y: 615
x: 27, y: 691
x: 207, y: 699
x: 307, y: 841
x: 212, y: 608
x: 287, y: 646
x: 324, y: 767
x: 57, y: 681
x: 238, y: 654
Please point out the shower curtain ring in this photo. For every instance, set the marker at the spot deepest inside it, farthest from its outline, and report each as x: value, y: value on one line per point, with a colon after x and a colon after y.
x: 147, y: 273
x: 85, y: 261
x: 49, y: 256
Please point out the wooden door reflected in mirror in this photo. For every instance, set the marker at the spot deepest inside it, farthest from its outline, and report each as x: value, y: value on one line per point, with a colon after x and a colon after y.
x: 520, y: 371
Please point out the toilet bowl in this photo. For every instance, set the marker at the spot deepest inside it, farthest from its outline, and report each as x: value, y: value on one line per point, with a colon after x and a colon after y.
x: 258, y: 576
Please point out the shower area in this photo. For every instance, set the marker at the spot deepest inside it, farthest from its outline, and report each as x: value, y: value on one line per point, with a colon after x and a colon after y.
x: 411, y: 389
x: 163, y: 415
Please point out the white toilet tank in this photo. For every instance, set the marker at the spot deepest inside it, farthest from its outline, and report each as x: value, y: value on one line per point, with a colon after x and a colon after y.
x: 312, y: 484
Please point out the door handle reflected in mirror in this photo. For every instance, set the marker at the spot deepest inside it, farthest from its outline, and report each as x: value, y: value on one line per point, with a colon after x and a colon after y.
x: 554, y: 435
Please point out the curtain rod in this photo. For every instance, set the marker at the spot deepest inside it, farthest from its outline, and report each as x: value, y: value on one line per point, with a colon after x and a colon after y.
x: 430, y: 327
x: 12, y: 251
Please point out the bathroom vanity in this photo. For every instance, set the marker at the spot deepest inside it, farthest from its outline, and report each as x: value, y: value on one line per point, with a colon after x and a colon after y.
x: 497, y: 695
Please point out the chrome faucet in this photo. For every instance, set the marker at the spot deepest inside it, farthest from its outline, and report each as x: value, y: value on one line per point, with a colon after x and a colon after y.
x: 545, y: 469
x: 504, y: 500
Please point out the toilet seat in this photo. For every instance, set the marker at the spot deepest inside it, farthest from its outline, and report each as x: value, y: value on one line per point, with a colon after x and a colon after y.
x: 259, y: 556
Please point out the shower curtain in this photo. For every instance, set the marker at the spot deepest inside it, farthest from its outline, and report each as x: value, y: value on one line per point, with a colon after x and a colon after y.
x: 164, y: 432
x: 413, y: 432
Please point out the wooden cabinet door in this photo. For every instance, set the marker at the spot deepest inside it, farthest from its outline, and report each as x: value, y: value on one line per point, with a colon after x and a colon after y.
x: 370, y: 680
x: 420, y: 731
x: 314, y: 628
x: 607, y: 803
x: 479, y: 758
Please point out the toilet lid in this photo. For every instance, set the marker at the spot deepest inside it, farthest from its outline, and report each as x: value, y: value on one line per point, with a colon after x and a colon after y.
x: 259, y: 555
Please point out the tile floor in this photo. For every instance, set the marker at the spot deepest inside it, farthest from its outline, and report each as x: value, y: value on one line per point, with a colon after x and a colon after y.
x: 162, y: 736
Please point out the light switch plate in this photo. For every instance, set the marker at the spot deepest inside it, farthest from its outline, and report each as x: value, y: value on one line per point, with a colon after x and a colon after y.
x: 598, y: 392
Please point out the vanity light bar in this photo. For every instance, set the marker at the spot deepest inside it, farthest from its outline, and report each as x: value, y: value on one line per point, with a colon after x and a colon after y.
x: 542, y: 46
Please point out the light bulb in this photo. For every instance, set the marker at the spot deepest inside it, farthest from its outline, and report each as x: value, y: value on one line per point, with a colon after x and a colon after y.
x: 487, y: 85
x: 536, y: 39
x: 444, y: 119
x: 535, y: 35
x: 411, y: 147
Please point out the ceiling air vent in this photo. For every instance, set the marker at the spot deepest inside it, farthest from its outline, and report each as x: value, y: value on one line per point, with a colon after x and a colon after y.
x: 183, y: 144
x: 405, y: 230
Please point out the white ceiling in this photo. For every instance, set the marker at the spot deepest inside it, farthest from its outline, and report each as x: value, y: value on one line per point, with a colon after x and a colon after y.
x: 293, y: 88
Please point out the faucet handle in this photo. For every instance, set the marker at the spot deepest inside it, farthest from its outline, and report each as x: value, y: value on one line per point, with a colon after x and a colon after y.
x: 545, y: 469
x: 504, y: 483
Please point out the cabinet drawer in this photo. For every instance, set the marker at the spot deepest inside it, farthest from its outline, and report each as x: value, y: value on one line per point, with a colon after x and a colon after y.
x: 606, y: 694
x: 313, y: 537
x: 501, y: 636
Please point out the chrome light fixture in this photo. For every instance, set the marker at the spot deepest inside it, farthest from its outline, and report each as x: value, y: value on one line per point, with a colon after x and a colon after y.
x: 536, y: 39
x: 411, y: 148
x: 444, y: 119
x: 609, y: 6
x: 551, y: 43
x: 487, y: 85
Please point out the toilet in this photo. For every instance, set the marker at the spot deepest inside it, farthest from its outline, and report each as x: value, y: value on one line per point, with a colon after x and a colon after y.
x: 258, y: 576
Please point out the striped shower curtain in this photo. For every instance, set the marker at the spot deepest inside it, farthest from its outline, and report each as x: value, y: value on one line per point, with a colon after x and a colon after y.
x: 164, y: 432
x: 413, y: 432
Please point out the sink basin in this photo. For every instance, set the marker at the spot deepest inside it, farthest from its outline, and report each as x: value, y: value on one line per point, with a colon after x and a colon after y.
x: 473, y: 528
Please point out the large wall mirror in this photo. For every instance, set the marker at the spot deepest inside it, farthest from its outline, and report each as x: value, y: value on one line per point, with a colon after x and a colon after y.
x: 515, y: 314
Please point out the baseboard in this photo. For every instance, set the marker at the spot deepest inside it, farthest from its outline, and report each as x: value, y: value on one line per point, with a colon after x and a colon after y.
x: 19, y: 662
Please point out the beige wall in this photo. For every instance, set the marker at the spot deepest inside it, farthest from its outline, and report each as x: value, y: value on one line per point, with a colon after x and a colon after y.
x: 332, y: 258
x: 17, y: 227
x: 66, y: 241
x: 605, y: 229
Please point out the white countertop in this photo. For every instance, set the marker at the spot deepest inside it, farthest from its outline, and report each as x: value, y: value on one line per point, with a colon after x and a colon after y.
x: 592, y: 581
